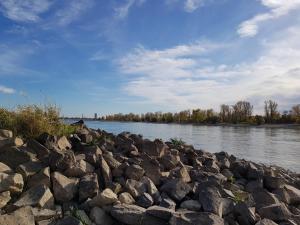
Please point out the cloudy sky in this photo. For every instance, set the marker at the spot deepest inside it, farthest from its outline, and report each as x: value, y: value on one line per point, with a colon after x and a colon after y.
x: 110, y: 56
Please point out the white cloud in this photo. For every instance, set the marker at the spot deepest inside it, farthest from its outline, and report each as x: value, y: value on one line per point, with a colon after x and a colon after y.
x: 276, y: 9
x: 186, y: 77
x: 73, y: 11
x: 24, y: 10
x: 6, y: 90
x: 192, y: 5
x: 122, y: 11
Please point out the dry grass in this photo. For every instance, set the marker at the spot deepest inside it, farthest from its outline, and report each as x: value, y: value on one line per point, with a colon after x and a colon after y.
x: 32, y: 120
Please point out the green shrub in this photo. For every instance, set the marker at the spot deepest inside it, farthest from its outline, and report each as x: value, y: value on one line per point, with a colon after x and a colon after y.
x: 177, y: 142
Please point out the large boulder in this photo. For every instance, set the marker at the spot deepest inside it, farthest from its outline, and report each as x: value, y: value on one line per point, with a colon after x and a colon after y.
x: 135, y: 188
x: 288, y: 194
x: 176, y: 189
x: 61, y: 160
x: 211, y: 201
x: 156, y: 148
x: 64, y: 188
x: 160, y: 212
x: 42, y: 177
x: 22, y: 216
x: 152, y: 169
x: 276, y: 212
x: 92, y: 154
x: 263, y: 198
x: 63, y: 143
x: 41, y: 151
x: 88, y: 186
x: 106, y: 197
x: 128, y: 214
x: 195, y: 218
x: 145, y: 200
x: 13, y: 157
x: 29, y: 169
x: 134, y: 172
x: 79, y: 169
x: 11, y: 182
x: 126, y: 198
x: 105, y: 172
x: 49, y: 141
x: 100, y: 217
x: 245, y: 214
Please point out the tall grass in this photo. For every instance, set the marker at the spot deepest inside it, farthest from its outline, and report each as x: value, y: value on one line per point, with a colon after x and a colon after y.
x: 32, y: 120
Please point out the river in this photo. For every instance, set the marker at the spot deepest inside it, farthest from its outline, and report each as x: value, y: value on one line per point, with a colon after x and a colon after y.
x: 273, y: 146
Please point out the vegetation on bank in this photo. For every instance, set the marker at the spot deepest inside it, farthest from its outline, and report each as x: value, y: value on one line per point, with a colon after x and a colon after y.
x: 239, y: 113
x: 32, y: 120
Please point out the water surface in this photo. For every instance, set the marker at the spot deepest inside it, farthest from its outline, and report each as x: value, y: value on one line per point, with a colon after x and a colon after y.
x: 277, y: 146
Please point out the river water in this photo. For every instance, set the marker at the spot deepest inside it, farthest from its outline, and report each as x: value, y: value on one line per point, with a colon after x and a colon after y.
x: 273, y: 146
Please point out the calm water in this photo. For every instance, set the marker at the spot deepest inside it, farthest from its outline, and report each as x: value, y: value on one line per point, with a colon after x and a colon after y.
x: 279, y: 146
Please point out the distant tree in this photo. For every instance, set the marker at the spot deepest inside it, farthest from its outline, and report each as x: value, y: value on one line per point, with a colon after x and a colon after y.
x: 242, y: 111
x: 296, y: 113
x: 225, y: 113
x: 271, y: 111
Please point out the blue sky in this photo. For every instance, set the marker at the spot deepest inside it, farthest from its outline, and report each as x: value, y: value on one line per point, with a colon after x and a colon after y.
x: 110, y: 56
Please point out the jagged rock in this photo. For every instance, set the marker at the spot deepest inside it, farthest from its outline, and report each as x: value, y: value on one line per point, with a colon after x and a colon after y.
x: 79, y: 169
x: 145, y: 200
x: 135, y: 188
x: 154, y: 148
x: 61, y: 160
x: 106, y: 172
x: 151, y: 188
x: 169, y: 161
x: 227, y: 206
x: 29, y: 169
x: 126, y: 198
x: 167, y: 202
x: 4, y: 198
x: 263, y: 198
x: 254, y: 185
x: 45, y: 214
x: 11, y: 182
x: 88, y: 186
x: 41, y: 151
x: 5, y: 168
x: 13, y: 157
x: 128, y: 214
x: 22, y: 216
x: 275, y: 212
x: 92, y: 154
x: 49, y: 141
x: 100, y: 217
x: 288, y: 194
x: 227, y: 173
x: 63, y: 143
x: 160, y: 212
x: 181, y: 173
x: 134, y: 172
x: 266, y: 222
x: 211, y: 201
x: 38, y: 196
x: 64, y: 188
x: 193, y: 218
x: 106, y: 197
x: 176, y: 189
x: 6, y: 133
x: 111, y: 161
x: 42, y: 177
x: 192, y: 205
x: 245, y: 214
x: 254, y: 172
x: 69, y: 220
x: 152, y: 169
x: 273, y: 183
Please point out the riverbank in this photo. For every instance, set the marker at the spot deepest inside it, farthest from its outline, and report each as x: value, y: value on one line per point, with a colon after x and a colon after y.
x: 95, y: 177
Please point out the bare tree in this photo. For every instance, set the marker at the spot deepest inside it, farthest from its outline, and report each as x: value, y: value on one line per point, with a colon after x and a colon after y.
x: 271, y: 112
x: 242, y: 111
x: 225, y: 113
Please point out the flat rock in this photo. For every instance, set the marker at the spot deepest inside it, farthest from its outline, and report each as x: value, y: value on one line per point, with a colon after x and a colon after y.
x: 22, y: 216
x: 64, y: 188
x: 11, y: 182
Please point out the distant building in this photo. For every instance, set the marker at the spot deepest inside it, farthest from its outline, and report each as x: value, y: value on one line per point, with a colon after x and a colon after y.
x: 96, y: 116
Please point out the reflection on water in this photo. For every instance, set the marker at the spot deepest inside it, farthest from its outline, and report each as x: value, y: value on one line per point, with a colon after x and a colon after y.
x: 277, y: 146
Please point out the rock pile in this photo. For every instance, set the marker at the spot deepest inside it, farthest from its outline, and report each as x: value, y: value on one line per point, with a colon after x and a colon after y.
x: 94, y: 177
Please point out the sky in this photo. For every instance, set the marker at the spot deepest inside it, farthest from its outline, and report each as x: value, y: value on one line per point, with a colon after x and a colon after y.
x: 110, y: 56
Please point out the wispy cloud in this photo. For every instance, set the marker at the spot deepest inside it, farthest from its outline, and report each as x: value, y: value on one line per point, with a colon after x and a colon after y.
x: 24, y: 10
x: 192, y: 5
x: 185, y: 76
x: 73, y: 11
x: 276, y: 9
x: 6, y: 90
x: 122, y: 11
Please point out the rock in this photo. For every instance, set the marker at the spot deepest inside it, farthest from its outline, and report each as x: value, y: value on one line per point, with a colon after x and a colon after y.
x: 10, y: 142
x: 69, y: 220
x: 263, y: 198
x: 167, y: 202
x: 145, y: 200
x: 254, y: 172
x: 151, y: 188
x: 152, y: 169
x: 42, y: 177
x: 176, y: 189
x: 64, y: 188
x: 106, y: 172
x: 126, y: 198
x: 61, y: 160
x: 134, y: 172
x: 5, y: 169
x: 4, y: 198
x: 88, y: 186
x: 195, y: 218
x: 106, y: 197
x: 6, y: 133
x: 49, y: 141
x: 100, y: 217
x: 254, y: 185
x: 135, y: 188
x: 82, y: 217
x: 169, y: 161
x: 210, y: 199
x: 92, y: 154
x: 191, y: 205
x: 273, y: 183
x: 63, y: 143
x: 38, y: 196
x: 11, y: 182
x: 111, y: 161
x: 160, y: 212
x: 156, y: 148
x: 13, y: 157
x: 128, y: 214
x: 266, y: 222
x: 227, y: 206
x: 150, y: 220
x: 79, y: 169
x: 245, y: 213
x: 276, y: 212
x: 22, y: 216
x: 45, y: 214
x: 29, y: 169
x: 41, y: 151
x: 289, y: 194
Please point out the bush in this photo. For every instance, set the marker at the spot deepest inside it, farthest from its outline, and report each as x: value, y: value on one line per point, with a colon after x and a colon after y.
x: 177, y: 142
x: 30, y: 121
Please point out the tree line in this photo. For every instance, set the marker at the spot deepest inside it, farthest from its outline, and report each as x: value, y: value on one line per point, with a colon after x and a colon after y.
x: 241, y: 112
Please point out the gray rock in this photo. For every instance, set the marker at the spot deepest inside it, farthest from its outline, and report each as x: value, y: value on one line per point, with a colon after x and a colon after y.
x: 134, y: 172
x: 167, y: 202
x: 106, y: 172
x: 150, y: 220
x: 266, y: 222
x: 111, y: 161
x: 100, y: 217
x: 160, y: 212
x: 176, y: 189
x: 13, y: 157
x: 289, y: 194
x: 92, y: 154
x: 145, y: 200
x: 151, y: 188
x: 227, y: 206
x: 29, y: 169
x: 83, y: 217
x: 37, y: 196
x: 45, y: 214
x: 5, y: 168
x: 191, y: 205
x: 63, y: 143
x: 69, y: 220
x: 211, y: 201
x: 195, y: 218
x: 64, y: 188
x: 6, y: 133
x: 88, y: 186
x: 246, y: 214
x: 41, y: 151
x: 135, y: 188
x: 61, y: 160
x: 152, y: 169
x: 22, y: 216
x: 275, y: 212
x: 253, y: 185
x: 79, y: 169
x: 128, y: 214
x: 11, y: 182
x: 106, y: 197
x: 126, y: 198
x: 42, y: 177
x: 263, y: 198
x: 4, y: 198
x: 156, y: 148
x: 273, y: 183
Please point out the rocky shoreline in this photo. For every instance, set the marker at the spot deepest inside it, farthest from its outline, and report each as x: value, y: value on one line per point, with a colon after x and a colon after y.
x: 97, y: 178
